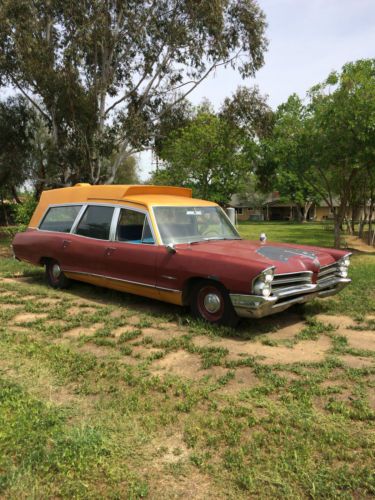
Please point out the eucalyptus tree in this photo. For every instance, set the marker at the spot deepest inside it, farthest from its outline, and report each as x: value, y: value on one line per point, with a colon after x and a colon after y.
x: 102, y: 72
x: 15, y: 145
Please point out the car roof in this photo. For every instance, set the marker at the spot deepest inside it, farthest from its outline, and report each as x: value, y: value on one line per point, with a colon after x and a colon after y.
x: 146, y: 195
x: 168, y: 200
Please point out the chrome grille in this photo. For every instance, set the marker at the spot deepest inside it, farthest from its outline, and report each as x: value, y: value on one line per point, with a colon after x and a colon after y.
x: 327, y: 273
x: 292, y: 283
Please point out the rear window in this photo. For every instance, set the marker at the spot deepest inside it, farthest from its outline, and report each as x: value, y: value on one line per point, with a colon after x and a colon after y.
x: 96, y: 222
x: 60, y: 219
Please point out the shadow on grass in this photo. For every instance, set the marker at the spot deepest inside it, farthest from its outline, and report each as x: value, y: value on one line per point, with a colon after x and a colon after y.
x: 246, y: 330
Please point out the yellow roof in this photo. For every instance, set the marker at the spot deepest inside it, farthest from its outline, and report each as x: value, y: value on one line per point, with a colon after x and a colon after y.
x: 168, y: 200
x: 145, y: 195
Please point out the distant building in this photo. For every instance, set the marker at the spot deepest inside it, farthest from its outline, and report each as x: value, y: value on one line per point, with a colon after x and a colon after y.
x: 273, y: 208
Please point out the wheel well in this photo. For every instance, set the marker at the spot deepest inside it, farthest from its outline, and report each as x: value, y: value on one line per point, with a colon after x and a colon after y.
x: 189, y: 286
x: 44, y: 260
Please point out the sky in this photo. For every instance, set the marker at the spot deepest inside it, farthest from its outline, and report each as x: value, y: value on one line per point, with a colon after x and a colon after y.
x: 307, y: 40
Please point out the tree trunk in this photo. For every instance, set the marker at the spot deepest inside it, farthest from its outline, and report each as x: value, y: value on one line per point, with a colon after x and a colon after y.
x: 4, y: 211
x: 306, y: 210
x: 349, y: 226
x: 15, y: 195
x: 339, y: 216
x: 337, y: 231
x: 371, y: 213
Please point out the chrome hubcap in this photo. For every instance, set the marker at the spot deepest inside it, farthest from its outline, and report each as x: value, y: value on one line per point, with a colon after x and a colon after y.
x: 212, y: 302
x: 56, y: 271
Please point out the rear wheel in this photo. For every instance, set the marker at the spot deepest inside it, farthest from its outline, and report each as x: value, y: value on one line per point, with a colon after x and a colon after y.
x: 55, y: 276
x: 210, y: 301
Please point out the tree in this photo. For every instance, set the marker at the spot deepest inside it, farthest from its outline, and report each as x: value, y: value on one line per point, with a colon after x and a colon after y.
x: 339, y: 135
x: 15, y: 145
x: 102, y: 72
x: 127, y: 172
x: 282, y: 160
x: 206, y: 155
x: 328, y: 144
x: 248, y: 111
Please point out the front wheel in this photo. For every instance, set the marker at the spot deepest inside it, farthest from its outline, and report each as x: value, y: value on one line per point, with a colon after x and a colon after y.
x: 210, y: 301
x: 55, y: 276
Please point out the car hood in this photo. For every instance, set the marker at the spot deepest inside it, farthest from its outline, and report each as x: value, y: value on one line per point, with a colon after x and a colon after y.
x: 286, y: 258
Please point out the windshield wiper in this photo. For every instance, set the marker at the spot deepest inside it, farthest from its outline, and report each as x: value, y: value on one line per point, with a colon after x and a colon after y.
x: 213, y: 239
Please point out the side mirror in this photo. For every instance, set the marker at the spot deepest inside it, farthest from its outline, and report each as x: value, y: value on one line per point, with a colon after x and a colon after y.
x: 170, y: 248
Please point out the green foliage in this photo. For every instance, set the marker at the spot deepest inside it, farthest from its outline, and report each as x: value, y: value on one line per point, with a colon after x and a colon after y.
x: 127, y: 172
x: 206, y: 155
x: 15, y: 143
x: 24, y: 211
x: 75, y: 57
x: 325, y: 149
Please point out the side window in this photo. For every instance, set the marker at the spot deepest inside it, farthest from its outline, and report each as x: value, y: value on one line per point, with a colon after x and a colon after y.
x: 96, y: 222
x: 60, y: 219
x: 133, y: 227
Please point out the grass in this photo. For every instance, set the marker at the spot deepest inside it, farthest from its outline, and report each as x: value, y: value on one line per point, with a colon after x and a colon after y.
x: 312, y: 233
x: 93, y: 405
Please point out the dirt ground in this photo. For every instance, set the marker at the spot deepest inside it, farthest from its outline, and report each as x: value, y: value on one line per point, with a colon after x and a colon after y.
x: 161, y: 342
x: 358, y: 244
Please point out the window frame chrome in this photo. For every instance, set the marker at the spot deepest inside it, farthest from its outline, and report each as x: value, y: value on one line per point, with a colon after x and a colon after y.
x: 114, y: 221
x: 190, y: 206
x: 82, y: 213
x: 57, y: 205
x: 139, y: 210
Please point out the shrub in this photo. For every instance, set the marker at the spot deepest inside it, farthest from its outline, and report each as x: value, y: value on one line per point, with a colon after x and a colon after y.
x: 23, y: 212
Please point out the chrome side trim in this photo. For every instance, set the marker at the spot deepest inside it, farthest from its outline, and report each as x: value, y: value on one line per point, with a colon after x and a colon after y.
x: 124, y: 281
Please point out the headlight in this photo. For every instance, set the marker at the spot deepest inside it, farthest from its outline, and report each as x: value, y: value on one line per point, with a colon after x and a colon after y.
x: 262, y: 284
x: 343, y: 266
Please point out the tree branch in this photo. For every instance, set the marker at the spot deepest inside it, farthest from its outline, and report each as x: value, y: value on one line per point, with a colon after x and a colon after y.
x: 34, y: 103
x: 200, y: 80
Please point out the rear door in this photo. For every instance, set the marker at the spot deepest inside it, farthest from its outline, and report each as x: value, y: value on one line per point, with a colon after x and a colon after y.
x: 86, y: 248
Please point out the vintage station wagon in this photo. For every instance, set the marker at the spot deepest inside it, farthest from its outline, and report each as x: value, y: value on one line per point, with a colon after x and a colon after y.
x: 161, y: 243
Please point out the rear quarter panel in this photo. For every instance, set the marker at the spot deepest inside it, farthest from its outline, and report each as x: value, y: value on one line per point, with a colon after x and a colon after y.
x: 32, y: 245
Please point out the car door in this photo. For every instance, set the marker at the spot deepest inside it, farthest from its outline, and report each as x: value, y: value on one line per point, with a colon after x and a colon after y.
x: 133, y: 251
x: 86, y: 248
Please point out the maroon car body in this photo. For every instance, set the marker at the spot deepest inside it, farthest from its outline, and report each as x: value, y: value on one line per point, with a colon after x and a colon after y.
x: 173, y: 248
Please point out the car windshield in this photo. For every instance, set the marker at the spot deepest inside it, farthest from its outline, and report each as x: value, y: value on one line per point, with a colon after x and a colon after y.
x: 193, y: 224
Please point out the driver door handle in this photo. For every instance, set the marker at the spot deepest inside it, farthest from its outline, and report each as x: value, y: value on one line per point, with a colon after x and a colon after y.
x: 109, y: 250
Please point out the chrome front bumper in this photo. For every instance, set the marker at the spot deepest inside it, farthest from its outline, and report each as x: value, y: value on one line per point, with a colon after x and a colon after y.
x: 256, y: 306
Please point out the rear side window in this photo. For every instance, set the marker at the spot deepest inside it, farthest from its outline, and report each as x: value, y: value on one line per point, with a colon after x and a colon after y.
x: 60, y: 219
x: 133, y: 227
x: 96, y: 222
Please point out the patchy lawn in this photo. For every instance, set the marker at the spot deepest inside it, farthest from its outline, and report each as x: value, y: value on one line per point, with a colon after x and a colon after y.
x: 109, y: 395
